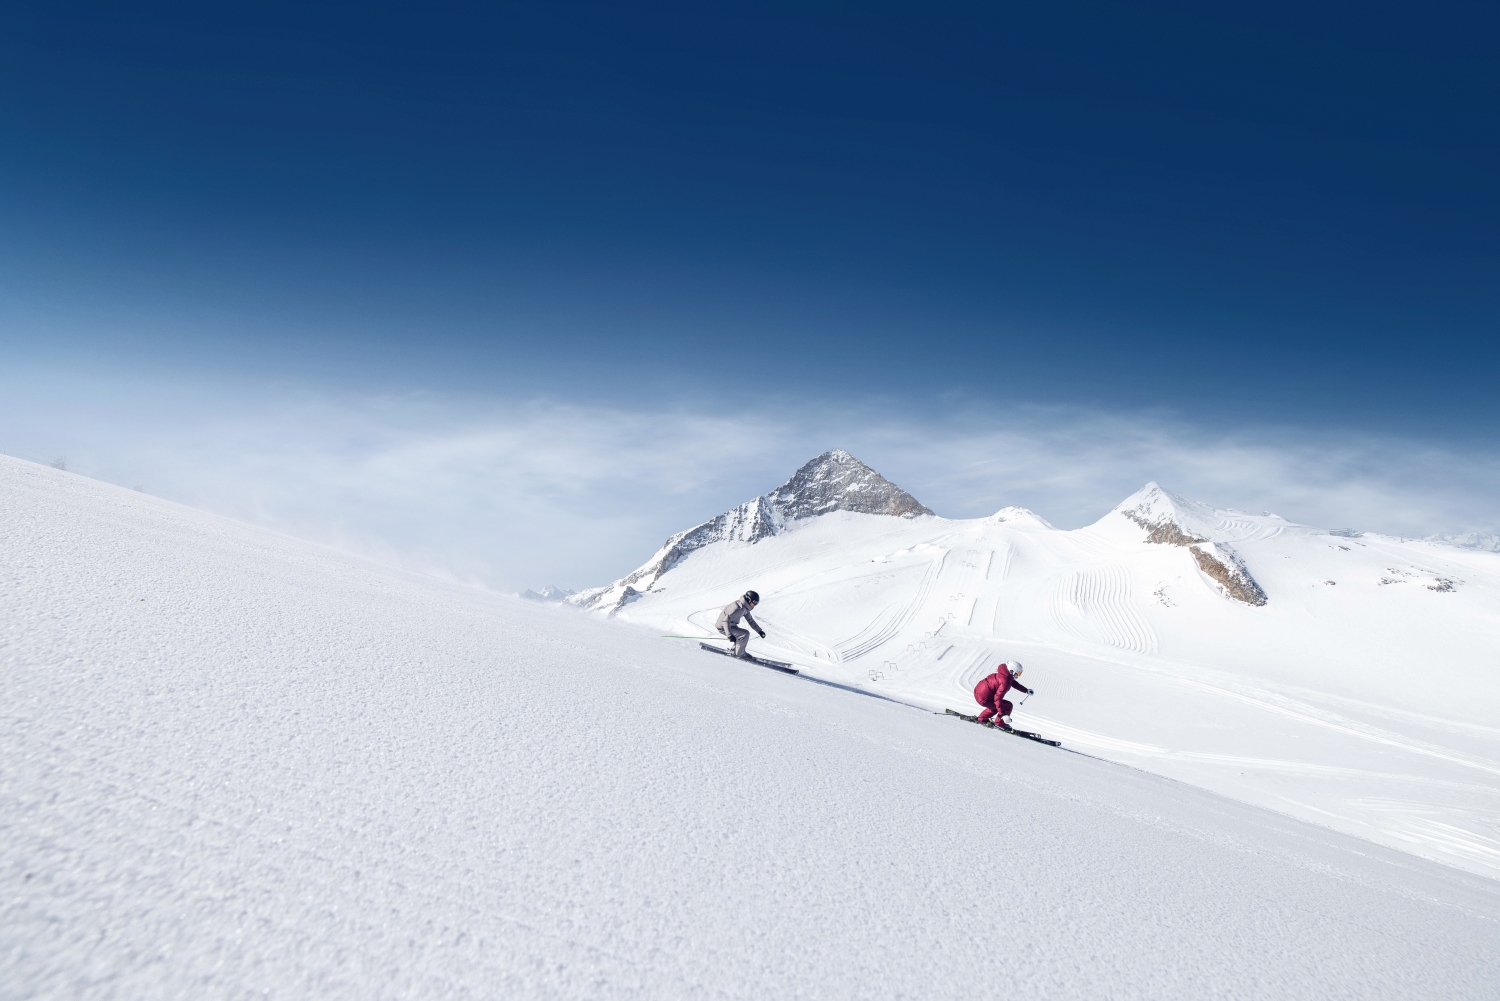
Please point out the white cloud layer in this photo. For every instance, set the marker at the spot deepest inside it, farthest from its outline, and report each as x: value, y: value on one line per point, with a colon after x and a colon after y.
x: 522, y: 493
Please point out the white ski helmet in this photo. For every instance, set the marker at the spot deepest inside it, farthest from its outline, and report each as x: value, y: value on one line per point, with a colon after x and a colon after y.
x: 1016, y: 668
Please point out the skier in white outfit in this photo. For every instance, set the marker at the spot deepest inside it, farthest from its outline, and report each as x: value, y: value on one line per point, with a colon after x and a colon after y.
x: 729, y: 622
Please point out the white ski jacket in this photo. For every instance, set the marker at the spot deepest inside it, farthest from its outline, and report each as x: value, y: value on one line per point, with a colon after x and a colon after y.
x: 734, y: 611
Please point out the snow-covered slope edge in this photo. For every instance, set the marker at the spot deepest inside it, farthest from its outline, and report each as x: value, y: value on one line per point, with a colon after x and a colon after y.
x: 833, y: 481
x: 237, y: 765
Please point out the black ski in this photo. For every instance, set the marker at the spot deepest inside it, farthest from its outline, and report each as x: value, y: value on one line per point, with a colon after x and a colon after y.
x: 1019, y: 733
x: 774, y: 665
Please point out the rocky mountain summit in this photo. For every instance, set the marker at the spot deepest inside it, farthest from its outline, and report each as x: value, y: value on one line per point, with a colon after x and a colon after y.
x: 833, y: 481
x: 837, y: 481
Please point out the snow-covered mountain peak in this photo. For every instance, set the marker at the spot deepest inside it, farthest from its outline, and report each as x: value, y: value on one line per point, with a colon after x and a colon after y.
x: 1163, y: 513
x: 1486, y: 542
x: 833, y: 481
x: 549, y: 593
x: 1170, y: 520
x: 1020, y: 517
x: 837, y: 481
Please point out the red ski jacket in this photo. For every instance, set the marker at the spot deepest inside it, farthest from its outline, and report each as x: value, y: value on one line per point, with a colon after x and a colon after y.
x: 992, y: 688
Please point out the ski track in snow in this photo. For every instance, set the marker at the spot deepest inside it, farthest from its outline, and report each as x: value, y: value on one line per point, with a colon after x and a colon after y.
x: 891, y: 620
x: 1401, y: 716
x: 1233, y: 530
x: 1095, y: 605
x: 998, y: 574
x: 1425, y: 826
x: 1272, y: 702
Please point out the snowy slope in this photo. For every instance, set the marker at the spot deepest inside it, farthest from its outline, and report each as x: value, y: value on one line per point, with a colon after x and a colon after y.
x: 1350, y: 681
x: 236, y: 765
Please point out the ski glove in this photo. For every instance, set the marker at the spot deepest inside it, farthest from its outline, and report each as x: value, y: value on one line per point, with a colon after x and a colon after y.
x: 762, y: 635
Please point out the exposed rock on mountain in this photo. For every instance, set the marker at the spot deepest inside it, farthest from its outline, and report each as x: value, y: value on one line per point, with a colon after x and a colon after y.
x: 834, y: 481
x: 1226, y: 567
x: 1173, y: 521
x: 837, y: 481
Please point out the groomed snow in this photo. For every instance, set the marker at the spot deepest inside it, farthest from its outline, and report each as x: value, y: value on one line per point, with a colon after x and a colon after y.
x: 236, y: 765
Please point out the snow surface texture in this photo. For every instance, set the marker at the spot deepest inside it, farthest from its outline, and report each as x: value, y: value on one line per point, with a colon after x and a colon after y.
x: 236, y: 765
x: 1347, y: 680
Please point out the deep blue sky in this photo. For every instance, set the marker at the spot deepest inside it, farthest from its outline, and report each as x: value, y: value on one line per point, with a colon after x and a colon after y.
x: 1270, y: 212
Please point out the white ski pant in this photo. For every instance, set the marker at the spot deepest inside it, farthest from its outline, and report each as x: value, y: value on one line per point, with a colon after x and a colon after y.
x: 738, y: 638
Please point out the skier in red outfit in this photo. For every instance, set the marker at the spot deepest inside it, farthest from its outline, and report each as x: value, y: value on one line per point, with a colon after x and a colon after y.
x: 990, y: 693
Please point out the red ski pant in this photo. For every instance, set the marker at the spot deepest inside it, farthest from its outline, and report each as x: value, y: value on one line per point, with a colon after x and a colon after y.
x: 1005, y: 708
